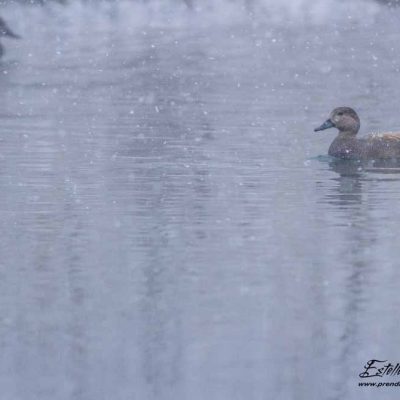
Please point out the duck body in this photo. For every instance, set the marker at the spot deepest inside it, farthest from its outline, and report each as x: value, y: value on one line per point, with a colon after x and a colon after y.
x: 374, y: 146
x: 347, y: 146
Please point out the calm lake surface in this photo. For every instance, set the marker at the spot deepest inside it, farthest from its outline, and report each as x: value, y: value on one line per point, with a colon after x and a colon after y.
x: 171, y: 225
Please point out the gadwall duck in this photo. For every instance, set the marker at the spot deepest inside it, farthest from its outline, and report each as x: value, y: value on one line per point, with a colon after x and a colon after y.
x: 346, y: 145
x: 7, y: 32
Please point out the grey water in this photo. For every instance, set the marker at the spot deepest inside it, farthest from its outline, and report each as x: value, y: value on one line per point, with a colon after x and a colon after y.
x: 171, y: 226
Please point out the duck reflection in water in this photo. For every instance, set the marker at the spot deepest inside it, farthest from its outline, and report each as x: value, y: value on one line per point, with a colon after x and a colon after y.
x: 349, y: 188
x: 352, y: 174
x: 360, y: 167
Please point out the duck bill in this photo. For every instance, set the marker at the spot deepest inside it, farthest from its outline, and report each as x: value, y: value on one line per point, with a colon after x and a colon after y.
x: 326, y: 125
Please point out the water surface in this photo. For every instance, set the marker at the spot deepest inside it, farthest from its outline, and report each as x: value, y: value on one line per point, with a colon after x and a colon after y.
x: 172, y: 227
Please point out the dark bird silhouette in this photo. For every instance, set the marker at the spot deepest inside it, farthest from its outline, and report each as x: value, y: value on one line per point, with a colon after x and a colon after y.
x: 5, y: 31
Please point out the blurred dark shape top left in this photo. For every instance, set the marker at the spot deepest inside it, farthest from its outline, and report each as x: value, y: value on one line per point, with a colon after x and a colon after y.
x: 5, y: 31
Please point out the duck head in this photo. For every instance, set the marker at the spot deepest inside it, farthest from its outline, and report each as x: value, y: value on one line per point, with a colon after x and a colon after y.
x: 345, y: 119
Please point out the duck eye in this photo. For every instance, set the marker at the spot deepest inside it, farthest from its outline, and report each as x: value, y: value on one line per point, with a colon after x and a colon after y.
x: 339, y: 113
